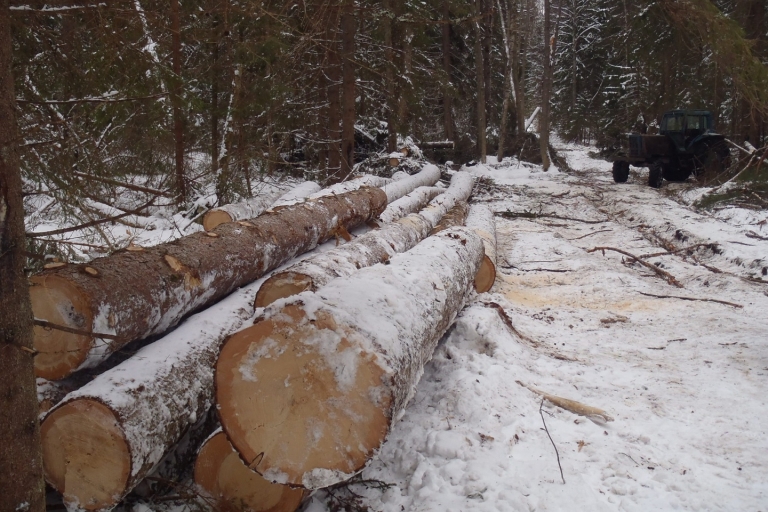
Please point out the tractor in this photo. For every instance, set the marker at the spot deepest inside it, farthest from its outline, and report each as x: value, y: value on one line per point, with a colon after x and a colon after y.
x: 686, y: 144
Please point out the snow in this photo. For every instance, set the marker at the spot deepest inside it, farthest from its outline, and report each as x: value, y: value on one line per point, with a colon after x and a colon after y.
x: 685, y: 381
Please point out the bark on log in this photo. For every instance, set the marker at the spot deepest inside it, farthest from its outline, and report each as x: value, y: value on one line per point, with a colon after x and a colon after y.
x: 223, y: 476
x: 455, y: 217
x: 428, y: 176
x: 366, y: 250
x: 410, y: 203
x: 297, y: 194
x: 308, y: 393
x: 136, y: 412
x: 249, y: 209
x: 481, y: 220
x: 140, y: 293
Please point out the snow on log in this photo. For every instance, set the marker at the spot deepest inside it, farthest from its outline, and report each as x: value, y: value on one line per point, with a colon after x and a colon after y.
x: 399, y: 175
x: 137, y: 411
x: 223, y: 476
x: 297, y: 194
x: 453, y: 218
x: 309, y: 392
x: 481, y: 220
x: 135, y: 294
x: 373, y: 247
x: 248, y: 209
x: 354, y: 184
x: 428, y: 176
x: 410, y: 203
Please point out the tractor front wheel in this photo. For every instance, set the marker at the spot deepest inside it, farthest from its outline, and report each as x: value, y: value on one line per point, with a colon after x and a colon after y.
x: 655, y: 175
x: 620, y: 171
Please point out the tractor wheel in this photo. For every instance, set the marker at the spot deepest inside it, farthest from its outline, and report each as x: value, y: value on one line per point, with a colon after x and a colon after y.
x: 673, y: 172
x: 620, y: 171
x: 655, y: 175
x: 712, y: 160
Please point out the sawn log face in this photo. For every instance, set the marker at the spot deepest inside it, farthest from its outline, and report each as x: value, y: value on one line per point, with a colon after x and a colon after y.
x: 140, y: 293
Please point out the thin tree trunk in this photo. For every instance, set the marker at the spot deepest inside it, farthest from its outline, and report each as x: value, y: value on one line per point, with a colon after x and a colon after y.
x: 480, y: 85
x: 215, y: 70
x: 405, y: 89
x: 348, y: 31
x: 487, y: 27
x: 508, y: 70
x: 447, y: 68
x: 178, y: 122
x: 389, y: 76
x: 21, y: 486
x: 546, y: 87
x: 333, y: 172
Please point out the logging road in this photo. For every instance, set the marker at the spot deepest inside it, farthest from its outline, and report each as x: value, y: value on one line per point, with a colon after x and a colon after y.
x: 685, y: 381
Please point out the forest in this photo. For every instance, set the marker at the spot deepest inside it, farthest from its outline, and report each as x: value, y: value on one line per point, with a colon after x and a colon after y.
x: 344, y: 144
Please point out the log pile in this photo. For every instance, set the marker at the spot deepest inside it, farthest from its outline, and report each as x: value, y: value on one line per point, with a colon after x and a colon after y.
x: 306, y: 390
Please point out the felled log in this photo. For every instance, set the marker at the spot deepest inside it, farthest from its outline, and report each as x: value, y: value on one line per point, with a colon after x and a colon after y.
x: 428, y: 176
x: 223, y: 476
x: 134, y: 294
x: 454, y: 217
x: 308, y: 393
x: 241, y: 211
x: 399, y: 175
x: 481, y: 220
x: 410, y: 203
x: 104, y: 438
x: 350, y: 185
x: 366, y: 250
x: 297, y: 193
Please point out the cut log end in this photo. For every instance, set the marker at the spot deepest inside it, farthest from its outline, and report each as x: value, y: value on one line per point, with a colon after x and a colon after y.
x: 280, y: 286
x: 85, y: 455
x: 60, y: 302
x: 300, y: 402
x: 215, y: 218
x: 223, y: 476
x: 486, y: 276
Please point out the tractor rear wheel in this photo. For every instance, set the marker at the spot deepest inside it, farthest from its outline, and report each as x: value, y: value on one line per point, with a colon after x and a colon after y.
x: 655, y: 175
x: 620, y: 171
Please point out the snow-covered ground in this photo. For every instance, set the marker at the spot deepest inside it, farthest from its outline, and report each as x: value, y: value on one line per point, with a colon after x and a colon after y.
x: 685, y: 381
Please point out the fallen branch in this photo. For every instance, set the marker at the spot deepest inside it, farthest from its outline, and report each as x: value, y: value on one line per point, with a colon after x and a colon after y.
x: 130, y: 186
x: 712, y: 246
x: 92, y: 223
x: 693, y: 299
x: 666, y: 275
x: 541, y: 413
x: 571, y: 405
x: 531, y: 215
x: 588, y: 234
x: 508, y: 322
x: 752, y: 234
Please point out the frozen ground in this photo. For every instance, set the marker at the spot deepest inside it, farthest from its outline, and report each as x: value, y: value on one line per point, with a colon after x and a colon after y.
x: 685, y: 381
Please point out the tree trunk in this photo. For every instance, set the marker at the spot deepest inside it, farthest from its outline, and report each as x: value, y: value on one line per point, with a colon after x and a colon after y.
x: 364, y: 251
x: 447, y: 69
x: 408, y: 204
x: 518, y: 74
x: 480, y: 85
x: 21, y: 487
x: 332, y: 371
x: 333, y: 173
x: 134, y: 294
x: 348, y: 90
x: 487, y: 27
x: 178, y: 122
x: 389, y: 76
x: 546, y: 88
x: 224, y: 477
x: 483, y: 223
x: 403, y: 121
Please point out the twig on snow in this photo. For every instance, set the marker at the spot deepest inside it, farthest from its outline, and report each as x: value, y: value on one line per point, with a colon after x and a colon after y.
x: 693, y: 299
x: 531, y: 215
x: 588, y: 234
x: 571, y: 405
x: 712, y: 247
x: 666, y: 275
x: 550, y: 439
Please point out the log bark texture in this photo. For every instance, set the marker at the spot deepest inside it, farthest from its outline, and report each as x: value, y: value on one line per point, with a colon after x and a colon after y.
x: 249, y: 209
x: 308, y: 393
x: 135, y: 294
x: 410, y: 203
x: 453, y: 218
x: 139, y: 410
x: 366, y: 250
x: 223, y: 476
x: 481, y: 220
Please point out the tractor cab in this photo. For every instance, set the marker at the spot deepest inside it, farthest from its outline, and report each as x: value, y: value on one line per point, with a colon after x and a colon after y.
x: 683, y: 127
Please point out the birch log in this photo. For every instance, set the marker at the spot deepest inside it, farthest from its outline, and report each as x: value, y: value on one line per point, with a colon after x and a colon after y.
x: 481, y: 220
x: 136, y: 412
x: 354, y: 184
x: 366, y: 250
x: 428, y: 176
x: 454, y: 217
x: 308, y: 393
x: 248, y: 209
x: 223, y: 476
x: 134, y: 294
x: 297, y: 194
x: 399, y: 175
x: 410, y: 203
